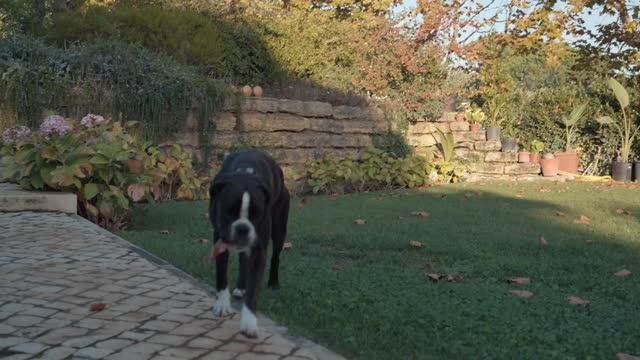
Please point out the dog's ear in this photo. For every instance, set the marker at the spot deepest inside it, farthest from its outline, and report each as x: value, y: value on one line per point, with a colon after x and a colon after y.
x: 218, y: 183
x: 267, y: 193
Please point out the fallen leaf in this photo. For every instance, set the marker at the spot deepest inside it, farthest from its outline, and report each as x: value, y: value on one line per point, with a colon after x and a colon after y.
x: 573, y: 300
x: 206, y: 215
x: 203, y: 241
x: 360, y: 221
x: 522, y: 293
x: 333, y: 198
x: 449, y: 278
x: 624, y: 356
x: 435, y: 277
x: 468, y: 195
x: 380, y: 199
x: 304, y: 199
x: 544, y: 190
x: 164, y: 232
x: 623, y: 273
x: 589, y: 242
x: 560, y: 214
x: 458, y: 278
x: 300, y: 205
x: 439, y: 196
x: 95, y: 307
x: 506, y: 204
x: 287, y: 245
x: 519, y: 280
x: 582, y: 220
x: 401, y: 217
x: 416, y: 244
x: 619, y: 211
x: 520, y: 196
x: 420, y: 213
x: 336, y: 267
x: 543, y: 241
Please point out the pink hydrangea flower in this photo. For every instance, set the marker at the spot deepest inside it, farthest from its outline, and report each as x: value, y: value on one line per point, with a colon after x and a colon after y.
x: 55, y: 124
x: 91, y: 120
x: 14, y: 134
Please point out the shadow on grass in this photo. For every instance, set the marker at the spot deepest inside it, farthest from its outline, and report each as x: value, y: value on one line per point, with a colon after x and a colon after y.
x: 363, y: 291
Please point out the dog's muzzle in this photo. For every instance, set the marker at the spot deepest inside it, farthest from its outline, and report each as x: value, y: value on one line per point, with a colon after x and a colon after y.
x: 243, y: 234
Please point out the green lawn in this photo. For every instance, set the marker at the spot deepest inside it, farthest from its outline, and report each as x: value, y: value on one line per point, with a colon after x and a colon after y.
x: 362, y: 290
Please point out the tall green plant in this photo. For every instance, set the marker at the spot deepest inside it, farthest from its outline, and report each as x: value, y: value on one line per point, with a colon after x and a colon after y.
x: 495, y: 106
x: 627, y: 130
x: 570, y: 123
x: 447, y: 144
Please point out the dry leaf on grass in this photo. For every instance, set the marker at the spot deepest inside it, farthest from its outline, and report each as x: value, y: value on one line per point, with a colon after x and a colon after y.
x: 623, y: 273
x: 287, y: 245
x: 520, y: 196
x: 332, y: 198
x: 416, y: 244
x: 435, y: 277
x: 401, y: 217
x: 360, y: 221
x: 98, y: 307
x: 560, y: 214
x: 164, y: 232
x: 206, y: 215
x: 458, y: 278
x: 300, y: 205
x: 439, y: 196
x: 420, y: 213
x: 589, y: 242
x: 623, y: 212
x: 574, y: 300
x: 543, y: 241
x: 544, y: 190
x: 336, y: 267
x: 625, y: 356
x: 519, y: 280
x: 522, y: 293
x: 582, y: 220
x: 203, y: 241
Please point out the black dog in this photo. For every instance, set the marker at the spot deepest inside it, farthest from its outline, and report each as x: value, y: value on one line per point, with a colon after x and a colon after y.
x: 249, y: 205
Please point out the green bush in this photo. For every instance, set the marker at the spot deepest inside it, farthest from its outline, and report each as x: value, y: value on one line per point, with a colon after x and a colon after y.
x: 224, y: 50
x: 111, y: 78
x: 376, y: 170
x: 102, y: 163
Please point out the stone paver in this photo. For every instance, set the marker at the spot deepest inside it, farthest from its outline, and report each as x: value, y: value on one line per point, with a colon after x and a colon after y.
x: 54, y: 266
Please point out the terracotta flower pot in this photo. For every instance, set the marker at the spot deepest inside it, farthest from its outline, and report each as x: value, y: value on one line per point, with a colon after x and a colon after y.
x: 524, y: 157
x: 247, y: 90
x: 568, y: 161
x: 474, y: 127
x: 549, y: 167
x: 459, y: 117
x: 257, y: 91
x: 534, y: 158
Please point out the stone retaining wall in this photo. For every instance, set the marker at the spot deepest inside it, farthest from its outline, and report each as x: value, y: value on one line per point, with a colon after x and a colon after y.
x: 296, y: 131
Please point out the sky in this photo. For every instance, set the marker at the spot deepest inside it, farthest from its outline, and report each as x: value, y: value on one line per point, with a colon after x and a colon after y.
x: 592, y: 21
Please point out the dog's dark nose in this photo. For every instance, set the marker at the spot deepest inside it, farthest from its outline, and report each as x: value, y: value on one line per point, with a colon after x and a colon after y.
x: 242, y: 230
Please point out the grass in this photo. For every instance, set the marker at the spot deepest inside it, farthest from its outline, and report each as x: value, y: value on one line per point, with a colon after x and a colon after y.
x: 362, y: 290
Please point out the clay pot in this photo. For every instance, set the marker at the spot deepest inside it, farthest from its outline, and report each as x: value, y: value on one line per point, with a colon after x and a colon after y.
x: 549, y: 167
x: 568, y: 162
x: 534, y: 158
x: 459, y: 117
x: 621, y: 171
x: 257, y: 91
x: 474, y: 127
x: 524, y: 157
x: 247, y: 90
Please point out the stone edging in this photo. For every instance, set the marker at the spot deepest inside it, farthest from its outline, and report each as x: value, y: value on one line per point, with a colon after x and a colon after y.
x: 319, y: 351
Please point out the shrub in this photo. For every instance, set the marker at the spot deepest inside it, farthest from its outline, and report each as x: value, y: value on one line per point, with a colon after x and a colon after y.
x: 108, y: 77
x: 102, y: 163
x: 376, y: 170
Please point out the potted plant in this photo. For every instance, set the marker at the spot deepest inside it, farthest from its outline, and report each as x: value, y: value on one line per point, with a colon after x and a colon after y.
x: 524, y: 156
x: 568, y: 160
x: 509, y: 141
x: 549, y: 165
x: 460, y: 115
x: 494, y: 107
x: 475, y: 116
x: 536, y: 147
x: 627, y: 130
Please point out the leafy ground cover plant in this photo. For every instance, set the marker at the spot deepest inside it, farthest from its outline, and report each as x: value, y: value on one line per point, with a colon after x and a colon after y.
x: 102, y: 162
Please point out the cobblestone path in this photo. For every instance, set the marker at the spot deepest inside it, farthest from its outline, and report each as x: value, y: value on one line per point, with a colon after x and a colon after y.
x: 53, y: 267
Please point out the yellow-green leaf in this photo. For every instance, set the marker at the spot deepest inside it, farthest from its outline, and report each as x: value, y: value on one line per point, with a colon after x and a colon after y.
x: 91, y: 190
x: 621, y: 94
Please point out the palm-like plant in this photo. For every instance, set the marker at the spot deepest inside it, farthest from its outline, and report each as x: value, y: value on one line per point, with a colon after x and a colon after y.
x: 627, y: 130
x: 571, y: 122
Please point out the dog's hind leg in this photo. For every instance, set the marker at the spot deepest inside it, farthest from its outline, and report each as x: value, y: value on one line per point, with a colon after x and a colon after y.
x: 278, y: 234
x: 241, y: 285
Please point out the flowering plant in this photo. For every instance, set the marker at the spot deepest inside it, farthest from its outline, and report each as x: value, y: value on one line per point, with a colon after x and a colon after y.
x: 55, y: 125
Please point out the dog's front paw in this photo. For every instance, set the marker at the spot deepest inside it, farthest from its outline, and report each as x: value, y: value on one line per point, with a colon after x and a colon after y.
x: 248, y: 323
x: 222, y: 306
x: 237, y: 293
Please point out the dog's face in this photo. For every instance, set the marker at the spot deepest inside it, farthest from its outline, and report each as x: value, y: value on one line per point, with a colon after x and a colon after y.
x: 238, y: 209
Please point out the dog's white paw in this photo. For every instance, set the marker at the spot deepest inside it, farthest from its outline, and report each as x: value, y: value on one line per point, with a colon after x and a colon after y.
x: 222, y: 306
x: 237, y: 293
x: 248, y: 323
